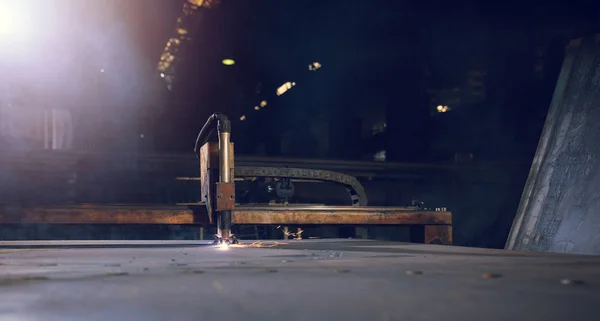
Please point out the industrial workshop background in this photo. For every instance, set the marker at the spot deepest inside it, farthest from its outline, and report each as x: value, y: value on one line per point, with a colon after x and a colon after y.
x: 110, y: 116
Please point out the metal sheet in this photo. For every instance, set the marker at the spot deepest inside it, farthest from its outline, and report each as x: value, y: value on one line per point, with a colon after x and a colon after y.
x: 560, y: 207
x: 301, y: 280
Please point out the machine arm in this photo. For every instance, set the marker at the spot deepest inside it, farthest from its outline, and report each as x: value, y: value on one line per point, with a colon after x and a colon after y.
x: 225, y: 187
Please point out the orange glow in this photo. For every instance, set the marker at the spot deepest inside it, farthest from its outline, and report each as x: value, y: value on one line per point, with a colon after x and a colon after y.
x: 205, y: 3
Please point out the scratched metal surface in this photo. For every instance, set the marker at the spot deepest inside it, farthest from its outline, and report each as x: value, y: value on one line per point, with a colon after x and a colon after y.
x: 302, y: 280
x: 559, y: 209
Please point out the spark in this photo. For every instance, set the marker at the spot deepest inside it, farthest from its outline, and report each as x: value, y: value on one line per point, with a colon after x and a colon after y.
x: 223, y: 247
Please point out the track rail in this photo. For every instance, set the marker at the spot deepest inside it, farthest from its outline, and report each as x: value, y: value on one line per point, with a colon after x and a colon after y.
x: 352, y: 185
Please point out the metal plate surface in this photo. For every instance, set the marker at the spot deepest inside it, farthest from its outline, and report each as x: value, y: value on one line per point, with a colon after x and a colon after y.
x: 299, y: 280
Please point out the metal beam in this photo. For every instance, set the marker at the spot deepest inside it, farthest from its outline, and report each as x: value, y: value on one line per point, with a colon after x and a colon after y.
x: 96, y: 214
x: 350, y: 215
x: 140, y: 214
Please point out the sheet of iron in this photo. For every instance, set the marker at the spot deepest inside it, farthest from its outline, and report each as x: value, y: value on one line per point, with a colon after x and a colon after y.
x: 291, y: 280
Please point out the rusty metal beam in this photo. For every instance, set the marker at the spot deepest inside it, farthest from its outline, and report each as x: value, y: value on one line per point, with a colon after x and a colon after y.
x: 95, y: 214
x: 131, y: 214
x: 350, y: 215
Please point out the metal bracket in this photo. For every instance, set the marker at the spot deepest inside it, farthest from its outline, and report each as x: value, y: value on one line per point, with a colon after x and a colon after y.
x: 225, y: 197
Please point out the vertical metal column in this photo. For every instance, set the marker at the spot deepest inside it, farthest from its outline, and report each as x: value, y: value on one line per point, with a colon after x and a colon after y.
x: 224, y: 177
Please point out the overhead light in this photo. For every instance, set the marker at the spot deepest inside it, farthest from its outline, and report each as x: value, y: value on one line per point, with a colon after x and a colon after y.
x: 256, y: 108
x: 228, y: 62
x: 442, y: 109
x: 263, y: 103
x: 162, y: 75
x: 243, y: 118
x: 314, y: 66
x: 285, y: 87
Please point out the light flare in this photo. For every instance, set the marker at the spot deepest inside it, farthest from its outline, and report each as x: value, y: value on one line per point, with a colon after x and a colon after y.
x: 13, y: 17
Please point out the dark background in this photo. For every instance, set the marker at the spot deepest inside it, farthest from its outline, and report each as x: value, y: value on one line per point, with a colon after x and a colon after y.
x: 386, y: 66
x: 392, y: 63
